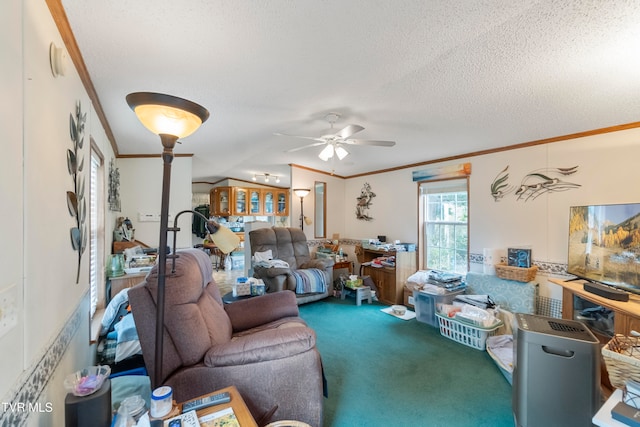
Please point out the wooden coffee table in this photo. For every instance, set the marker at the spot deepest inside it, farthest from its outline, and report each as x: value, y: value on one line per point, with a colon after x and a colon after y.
x: 237, y: 403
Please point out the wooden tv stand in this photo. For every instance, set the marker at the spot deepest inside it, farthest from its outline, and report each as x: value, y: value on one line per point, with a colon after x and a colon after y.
x: 626, y: 314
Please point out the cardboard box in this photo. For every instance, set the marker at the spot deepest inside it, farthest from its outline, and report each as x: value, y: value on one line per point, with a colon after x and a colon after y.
x: 408, y: 296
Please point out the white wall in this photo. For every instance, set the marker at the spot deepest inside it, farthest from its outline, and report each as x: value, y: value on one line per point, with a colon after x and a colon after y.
x: 11, y: 187
x: 51, y: 338
x: 303, y: 178
x: 141, y: 192
x: 606, y: 174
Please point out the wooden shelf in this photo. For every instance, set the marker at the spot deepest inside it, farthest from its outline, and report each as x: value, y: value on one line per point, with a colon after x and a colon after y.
x: 627, y: 314
x: 390, y: 280
x: 625, y: 319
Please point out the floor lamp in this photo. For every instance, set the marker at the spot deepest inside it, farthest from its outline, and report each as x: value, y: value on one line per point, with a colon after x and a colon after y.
x: 170, y: 118
x: 301, y: 192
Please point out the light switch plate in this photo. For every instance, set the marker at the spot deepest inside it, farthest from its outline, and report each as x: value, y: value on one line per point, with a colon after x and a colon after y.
x: 8, y: 309
x: 148, y: 217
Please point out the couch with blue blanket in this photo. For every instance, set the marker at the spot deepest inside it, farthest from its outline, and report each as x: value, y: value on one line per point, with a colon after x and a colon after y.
x: 283, y: 261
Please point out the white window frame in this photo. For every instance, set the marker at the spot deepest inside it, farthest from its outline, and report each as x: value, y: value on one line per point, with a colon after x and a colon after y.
x: 457, y: 221
x: 96, y: 230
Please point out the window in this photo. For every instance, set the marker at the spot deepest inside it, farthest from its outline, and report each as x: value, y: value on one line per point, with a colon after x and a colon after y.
x: 96, y: 220
x: 444, y: 213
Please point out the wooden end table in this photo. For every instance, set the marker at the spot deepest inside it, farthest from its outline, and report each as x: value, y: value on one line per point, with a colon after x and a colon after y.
x: 237, y: 403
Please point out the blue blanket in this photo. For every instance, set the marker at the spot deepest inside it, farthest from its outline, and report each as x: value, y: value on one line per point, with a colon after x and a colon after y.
x: 310, y: 280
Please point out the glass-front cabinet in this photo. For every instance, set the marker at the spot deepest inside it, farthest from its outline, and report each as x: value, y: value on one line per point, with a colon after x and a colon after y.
x: 220, y: 201
x: 227, y: 201
x: 241, y: 201
x: 268, y: 201
x: 255, y: 201
x: 282, y: 202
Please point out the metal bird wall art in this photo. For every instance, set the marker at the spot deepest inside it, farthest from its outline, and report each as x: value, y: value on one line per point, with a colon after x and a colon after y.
x: 534, y: 184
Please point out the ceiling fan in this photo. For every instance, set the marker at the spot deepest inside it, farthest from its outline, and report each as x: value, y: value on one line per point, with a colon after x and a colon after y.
x: 334, y: 142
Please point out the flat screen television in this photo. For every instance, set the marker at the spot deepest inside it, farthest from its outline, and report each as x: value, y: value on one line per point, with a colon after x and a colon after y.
x: 604, y: 245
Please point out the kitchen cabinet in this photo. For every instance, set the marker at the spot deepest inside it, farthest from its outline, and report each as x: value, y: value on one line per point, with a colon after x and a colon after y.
x: 220, y: 201
x: 241, y: 201
x: 268, y: 201
x: 282, y: 202
x: 255, y: 201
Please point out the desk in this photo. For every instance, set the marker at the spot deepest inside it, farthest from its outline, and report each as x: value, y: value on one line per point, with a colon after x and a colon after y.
x: 237, y: 403
x: 626, y: 314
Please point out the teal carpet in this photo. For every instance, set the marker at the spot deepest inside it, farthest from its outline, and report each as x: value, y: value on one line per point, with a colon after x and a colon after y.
x: 384, y: 371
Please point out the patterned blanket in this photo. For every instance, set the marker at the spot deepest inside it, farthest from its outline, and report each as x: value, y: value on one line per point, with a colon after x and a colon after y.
x: 310, y: 280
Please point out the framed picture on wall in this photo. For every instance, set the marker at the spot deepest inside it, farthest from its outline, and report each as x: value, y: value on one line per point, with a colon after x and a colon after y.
x: 519, y: 257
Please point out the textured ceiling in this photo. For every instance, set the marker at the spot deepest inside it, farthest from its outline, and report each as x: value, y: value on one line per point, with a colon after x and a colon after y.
x: 440, y: 78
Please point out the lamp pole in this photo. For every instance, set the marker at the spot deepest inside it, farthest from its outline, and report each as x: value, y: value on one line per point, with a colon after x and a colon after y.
x: 170, y: 118
x: 168, y: 142
x: 301, y: 214
x: 301, y: 192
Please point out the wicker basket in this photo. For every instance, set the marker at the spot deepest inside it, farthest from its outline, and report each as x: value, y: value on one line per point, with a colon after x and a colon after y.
x: 520, y: 274
x: 621, y: 365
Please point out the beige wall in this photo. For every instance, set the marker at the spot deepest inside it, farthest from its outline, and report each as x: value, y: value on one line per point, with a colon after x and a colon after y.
x: 38, y: 264
x: 606, y: 174
x: 51, y: 338
x: 141, y: 192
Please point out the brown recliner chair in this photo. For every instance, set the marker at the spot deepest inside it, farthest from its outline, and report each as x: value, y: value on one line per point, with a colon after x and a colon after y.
x: 260, y: 345
x: 288, y: 244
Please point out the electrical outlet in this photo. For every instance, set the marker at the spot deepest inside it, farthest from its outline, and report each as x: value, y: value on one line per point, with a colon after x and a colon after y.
x: 8, y: 309
x: 411, y: 300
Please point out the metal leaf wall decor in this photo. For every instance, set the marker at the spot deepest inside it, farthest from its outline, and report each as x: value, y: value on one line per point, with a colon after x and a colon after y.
x: 364, y: 201
x: 76, y: 202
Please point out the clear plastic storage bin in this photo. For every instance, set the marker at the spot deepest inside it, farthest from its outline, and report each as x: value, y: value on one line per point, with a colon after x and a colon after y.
x: 426, y: 304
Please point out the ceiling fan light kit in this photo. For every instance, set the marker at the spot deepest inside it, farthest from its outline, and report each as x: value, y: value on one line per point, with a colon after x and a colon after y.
x: 332, y: 149
x: 333, y: 142
x: 326, y: 153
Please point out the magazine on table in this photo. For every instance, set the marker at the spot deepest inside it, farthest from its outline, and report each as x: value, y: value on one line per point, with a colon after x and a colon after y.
x: 188, y: 419
x: 225, y: 417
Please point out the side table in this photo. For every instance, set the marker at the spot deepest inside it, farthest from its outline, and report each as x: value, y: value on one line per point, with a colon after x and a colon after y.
x: 228, y: 298
x: 603, y: 417
x: 362, y: 293
x: 245, y: 419
x: 344, y: 264
x: 125, y: 281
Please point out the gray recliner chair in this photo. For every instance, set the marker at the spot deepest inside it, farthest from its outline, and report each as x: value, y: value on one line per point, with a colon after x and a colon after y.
x: 260, y: 344
x: 288, y: 244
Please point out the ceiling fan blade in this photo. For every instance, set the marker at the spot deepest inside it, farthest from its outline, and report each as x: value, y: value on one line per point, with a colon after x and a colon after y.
x: 370, y: 142
x: 313, y: 138
x: 315, y: 144
x: 349, y: 130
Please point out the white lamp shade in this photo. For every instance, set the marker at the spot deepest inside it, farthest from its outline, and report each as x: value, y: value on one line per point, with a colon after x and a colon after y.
x: 326, y: 153
x: 341, y: 152
x: 166, y: 114
x: 301, y: 192
x: 161, y: 119
x: 225, y: 239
